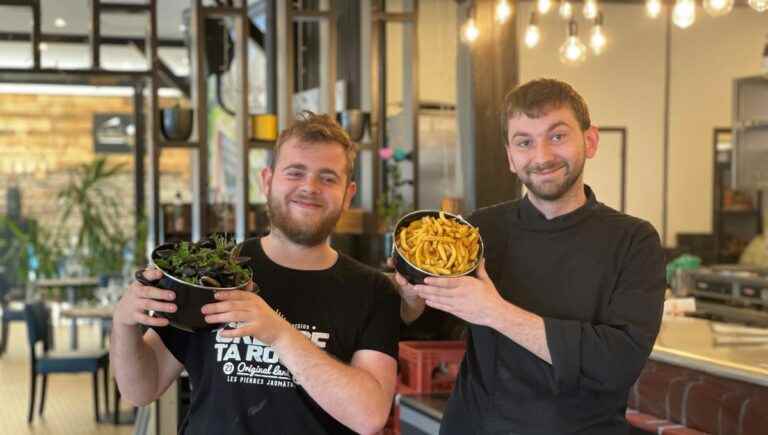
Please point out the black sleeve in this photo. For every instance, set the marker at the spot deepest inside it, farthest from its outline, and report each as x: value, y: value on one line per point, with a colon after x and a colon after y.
x: 175, y: 340
x: 381, y: 328
x: 609, y: 356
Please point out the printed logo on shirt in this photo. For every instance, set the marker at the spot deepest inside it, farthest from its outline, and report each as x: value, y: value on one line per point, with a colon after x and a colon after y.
x: 247, y: 360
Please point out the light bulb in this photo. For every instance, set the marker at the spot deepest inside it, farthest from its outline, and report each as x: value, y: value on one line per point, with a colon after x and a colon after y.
x: 597, y: 40
x: 532, y: 36
x: 503, y: 11
x: 758, y: 5
x: 653, y: 8
x: 590, y: 9
x: 566, y: 10
x: 573, y: 51
x: 684, y: 13
x: 718, y: 8
x: 543, y: 6
x: 471, y: 32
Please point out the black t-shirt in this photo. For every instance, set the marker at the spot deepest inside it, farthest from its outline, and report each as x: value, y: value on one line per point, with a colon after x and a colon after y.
x: 239, y: 385
x: 596, y: 276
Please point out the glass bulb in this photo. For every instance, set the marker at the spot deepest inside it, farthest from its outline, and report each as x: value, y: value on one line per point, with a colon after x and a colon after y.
x: 503, y: 11
x: 653, y: 8
x: 532, y: 36
x: 590, y: 9
x: 684, y: 13
x: 470, y: 32
x: 573, y: 51
x: 566, y: 10
x: 598, y: 40
x: 543, y: 6
x: 758, y: 5
x: 718, y: 8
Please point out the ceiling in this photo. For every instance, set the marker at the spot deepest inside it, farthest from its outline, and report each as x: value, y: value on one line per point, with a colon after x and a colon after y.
x: 77, y: 15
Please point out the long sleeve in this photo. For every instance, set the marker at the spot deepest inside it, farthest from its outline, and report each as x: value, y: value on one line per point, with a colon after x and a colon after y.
x: 609, y: 355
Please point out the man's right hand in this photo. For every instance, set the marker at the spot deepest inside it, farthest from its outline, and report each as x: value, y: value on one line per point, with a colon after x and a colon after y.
x: 139, y: 299
x: 412, y: 304
x: 407, y: 290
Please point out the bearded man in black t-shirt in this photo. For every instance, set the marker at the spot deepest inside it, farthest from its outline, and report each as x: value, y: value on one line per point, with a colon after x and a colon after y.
x: 314, y: 352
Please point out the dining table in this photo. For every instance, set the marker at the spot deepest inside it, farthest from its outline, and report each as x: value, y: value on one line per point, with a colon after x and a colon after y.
x: 71, y: 285
x: 75, y: 313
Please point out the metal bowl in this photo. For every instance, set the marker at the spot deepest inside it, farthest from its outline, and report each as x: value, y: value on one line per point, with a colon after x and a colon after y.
x: 411, y: 272
x: 190, y: 298
x: 354, y: 121
x: 176, y: 123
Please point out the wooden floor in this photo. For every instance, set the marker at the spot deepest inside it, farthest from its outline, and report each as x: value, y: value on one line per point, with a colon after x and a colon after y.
x: 69, y: 403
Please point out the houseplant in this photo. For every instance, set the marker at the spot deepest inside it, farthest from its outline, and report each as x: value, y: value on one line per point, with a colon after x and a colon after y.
x: 391, y: 203
x: 90, y: 199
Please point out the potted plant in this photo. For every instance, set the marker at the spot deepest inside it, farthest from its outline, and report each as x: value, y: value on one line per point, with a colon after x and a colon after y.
x: 213, y: 262
x: 89, y: 198
x: 391, y: 204
x: 194, y: 272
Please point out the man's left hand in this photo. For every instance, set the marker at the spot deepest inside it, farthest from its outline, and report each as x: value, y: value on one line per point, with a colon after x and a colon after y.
x: 252, y: 314
x: 475, y: 300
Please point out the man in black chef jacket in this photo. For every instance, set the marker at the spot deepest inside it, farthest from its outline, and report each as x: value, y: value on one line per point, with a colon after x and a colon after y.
x: 315, y: 352
x: 567, y: 305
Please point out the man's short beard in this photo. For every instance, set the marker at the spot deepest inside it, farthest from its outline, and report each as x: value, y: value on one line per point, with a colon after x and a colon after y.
x: 573, y: 175
x: 310, y: 237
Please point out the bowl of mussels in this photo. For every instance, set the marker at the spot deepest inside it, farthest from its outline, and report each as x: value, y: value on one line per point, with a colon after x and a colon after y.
x: 195, y: 271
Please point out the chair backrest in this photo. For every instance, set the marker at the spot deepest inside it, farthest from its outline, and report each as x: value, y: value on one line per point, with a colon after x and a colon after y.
x: 38, y: 325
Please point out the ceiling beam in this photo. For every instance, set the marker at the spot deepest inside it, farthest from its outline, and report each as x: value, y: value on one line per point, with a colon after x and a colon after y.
x: 57, y: 38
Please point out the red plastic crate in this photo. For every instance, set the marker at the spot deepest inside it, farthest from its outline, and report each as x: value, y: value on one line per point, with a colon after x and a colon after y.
x: 420, y: 361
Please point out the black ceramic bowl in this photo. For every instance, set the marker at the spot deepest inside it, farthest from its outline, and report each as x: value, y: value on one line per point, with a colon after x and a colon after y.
x: 408, y: 270
x: 190, y: 298
x: 176, y: 123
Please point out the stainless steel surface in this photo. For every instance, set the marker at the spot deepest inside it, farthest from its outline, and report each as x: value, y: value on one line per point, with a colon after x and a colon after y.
x: 731, y: 292
x: 692, y: 343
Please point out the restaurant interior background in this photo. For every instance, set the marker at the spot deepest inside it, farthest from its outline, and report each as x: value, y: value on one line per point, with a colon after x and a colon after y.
x: 664, y: 97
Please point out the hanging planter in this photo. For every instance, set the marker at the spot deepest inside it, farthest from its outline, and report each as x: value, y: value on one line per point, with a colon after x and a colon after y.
x: 176, y: 123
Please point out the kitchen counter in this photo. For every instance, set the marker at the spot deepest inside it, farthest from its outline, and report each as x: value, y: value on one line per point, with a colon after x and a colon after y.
x: 692, y: 343
x: 422, y: 414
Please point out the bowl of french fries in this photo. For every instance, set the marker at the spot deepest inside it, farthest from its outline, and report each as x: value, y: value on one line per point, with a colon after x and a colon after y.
x: 435, y: 243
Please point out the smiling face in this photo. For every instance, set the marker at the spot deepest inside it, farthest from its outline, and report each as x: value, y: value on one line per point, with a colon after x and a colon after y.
x: 307, y: 190
x: 548, y: 152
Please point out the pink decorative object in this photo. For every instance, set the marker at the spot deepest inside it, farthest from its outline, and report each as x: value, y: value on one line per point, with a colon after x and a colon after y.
x: 386, y: 153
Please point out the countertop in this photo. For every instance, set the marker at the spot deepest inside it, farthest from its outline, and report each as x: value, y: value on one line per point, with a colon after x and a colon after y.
x: 431, y: 404
x: 690, y: 342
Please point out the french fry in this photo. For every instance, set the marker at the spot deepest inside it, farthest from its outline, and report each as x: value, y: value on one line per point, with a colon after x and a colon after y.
x: 439, y: 245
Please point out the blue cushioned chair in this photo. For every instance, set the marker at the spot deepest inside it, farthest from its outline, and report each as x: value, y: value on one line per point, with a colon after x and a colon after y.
x: 51, y: 361
x: 9, y: 314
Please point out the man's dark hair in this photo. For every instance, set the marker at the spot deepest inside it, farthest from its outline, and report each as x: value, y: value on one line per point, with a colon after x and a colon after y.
x: 313, y: 128
x: 537, y: 97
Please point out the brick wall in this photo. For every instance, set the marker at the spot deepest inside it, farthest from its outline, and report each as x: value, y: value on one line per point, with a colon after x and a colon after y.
x: 42, y: 137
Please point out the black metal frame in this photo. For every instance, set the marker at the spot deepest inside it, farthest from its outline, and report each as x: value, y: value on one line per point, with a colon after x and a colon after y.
x: 380, y: 18
x: 717, y: 199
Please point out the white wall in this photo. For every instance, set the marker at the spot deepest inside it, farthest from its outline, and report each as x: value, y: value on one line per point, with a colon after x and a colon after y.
x: 625, y: 87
